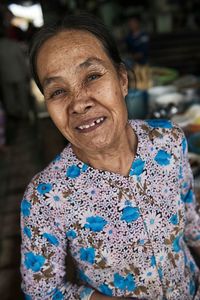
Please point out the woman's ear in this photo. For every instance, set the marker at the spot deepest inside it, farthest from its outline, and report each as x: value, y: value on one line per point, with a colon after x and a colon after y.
x: 123, y: 75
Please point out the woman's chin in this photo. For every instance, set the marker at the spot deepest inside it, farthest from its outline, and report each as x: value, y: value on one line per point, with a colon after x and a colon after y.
x: 93, y: 141
x: 94, y: 145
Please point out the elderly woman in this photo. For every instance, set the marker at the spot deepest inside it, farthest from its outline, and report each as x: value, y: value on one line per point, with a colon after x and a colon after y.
x: 119, y: 197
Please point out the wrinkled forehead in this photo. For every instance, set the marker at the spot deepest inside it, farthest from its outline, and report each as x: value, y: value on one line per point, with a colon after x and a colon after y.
x: 72, y: 45
x: 67, y: 40
x: 68, y: 50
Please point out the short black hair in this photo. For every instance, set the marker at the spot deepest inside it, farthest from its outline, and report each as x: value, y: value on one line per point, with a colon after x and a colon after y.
x: 82, y: 21
x: 136, y: 17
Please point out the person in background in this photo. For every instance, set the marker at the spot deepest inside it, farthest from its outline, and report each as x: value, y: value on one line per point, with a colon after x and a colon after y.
x: 31, y: 30
x: 3, y: 146
x: 14, y: 77
x: 12, y: 32
x: 137, y: 41
x: 119, y: 198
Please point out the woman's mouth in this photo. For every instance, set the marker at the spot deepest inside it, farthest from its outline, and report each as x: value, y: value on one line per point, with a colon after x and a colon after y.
x: 90, y: 125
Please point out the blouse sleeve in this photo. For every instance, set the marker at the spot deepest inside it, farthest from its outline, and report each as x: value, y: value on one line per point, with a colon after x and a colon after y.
x: 192, y: 227
x: 43, y: 254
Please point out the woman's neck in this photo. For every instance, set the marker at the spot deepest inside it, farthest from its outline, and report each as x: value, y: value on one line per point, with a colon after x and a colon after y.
x: 116, y: 159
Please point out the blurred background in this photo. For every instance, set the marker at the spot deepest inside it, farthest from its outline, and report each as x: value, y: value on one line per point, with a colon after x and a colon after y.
x: 159, y: 41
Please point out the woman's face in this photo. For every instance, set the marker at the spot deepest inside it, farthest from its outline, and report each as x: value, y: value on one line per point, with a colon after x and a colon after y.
x: 83, y: 91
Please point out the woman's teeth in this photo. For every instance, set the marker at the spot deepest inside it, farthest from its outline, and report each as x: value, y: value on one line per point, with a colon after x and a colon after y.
x: 92, y: 124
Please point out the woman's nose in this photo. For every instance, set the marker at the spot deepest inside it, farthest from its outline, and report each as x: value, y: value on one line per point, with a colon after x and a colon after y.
x: 81, y: 103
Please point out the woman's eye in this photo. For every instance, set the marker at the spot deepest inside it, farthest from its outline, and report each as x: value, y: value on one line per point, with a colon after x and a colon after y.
x: 57, y: 93
x: 93, y: 77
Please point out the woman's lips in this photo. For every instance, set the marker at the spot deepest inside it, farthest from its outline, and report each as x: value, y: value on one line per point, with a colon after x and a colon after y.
x: 90, y: 125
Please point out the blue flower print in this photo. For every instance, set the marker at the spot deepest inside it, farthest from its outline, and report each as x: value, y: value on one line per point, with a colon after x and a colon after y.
x: 27, y: 297
x: 95, y: 223
x: 192, y: 287
x: 184, y: 145
x: 85, y: 293
x: 34, y: 262
x: 73, y: 171
x: 185, y: 257
x: 185, y: 185
x: 163, y: 158
x: 124, y: 283
x: 174, y: 219
x: 119, y: 282
x: 51, y: 238
x: 192, y: 267
x: 27, y: 232
x: 156, y: 123
x: 44, y: 188
x: 71, y: 234
x: 25, y: 208
x: 83, y: 277
x: 153, y: 261
x: 137, y: 167
x: 188, y: 198
x: 57, y: 295
x: 56, y: 198
x: 87, y: 254
x: 130, y: 214
x: 180, y: 176
x: 160, y: 273
x: 127, y: 202
x: 57, y: 157
x: 141, y: 242
x: 130, y: 283
x: 104, y: 288
x: 84, y: 167
x: 176, y: 244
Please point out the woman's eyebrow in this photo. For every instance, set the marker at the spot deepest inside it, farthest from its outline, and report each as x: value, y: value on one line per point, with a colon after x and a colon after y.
x: 86, y: 64
x: 49, y: 80
x: 91, y: 61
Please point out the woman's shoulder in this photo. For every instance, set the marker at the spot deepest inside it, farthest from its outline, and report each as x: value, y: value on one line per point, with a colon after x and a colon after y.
x: 161, y: 130
x: 52, y: 176
x: 159, y: 124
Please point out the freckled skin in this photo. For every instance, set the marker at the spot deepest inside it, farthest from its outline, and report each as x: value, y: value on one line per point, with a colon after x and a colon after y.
x: 82, y: 98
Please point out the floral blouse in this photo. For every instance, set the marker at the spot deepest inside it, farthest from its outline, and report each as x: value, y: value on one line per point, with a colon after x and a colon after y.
x: 128, y: 235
